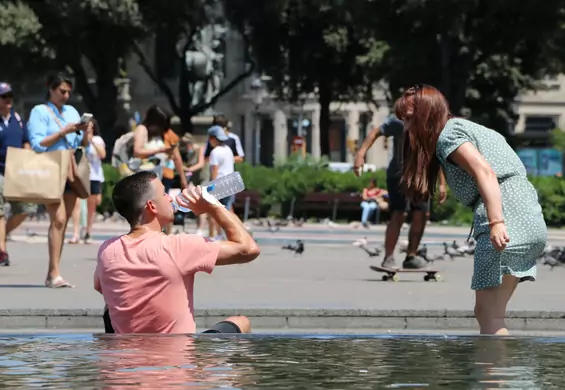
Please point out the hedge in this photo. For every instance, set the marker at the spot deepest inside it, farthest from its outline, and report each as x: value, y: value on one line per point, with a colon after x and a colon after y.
x: 279, y: 184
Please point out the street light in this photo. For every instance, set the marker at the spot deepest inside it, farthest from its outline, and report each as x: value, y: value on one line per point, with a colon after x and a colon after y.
x: 257, y: 94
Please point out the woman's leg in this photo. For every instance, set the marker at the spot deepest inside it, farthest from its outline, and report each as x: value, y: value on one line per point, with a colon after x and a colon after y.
x: 76, y: 222
x: 490, y: 306
x: 93, y: 202
x: 59, y: 216
x: 365, y: 211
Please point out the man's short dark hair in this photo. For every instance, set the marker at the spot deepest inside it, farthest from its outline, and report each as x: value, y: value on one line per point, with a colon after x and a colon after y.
x: 220, y: 120
x: 131, y: 194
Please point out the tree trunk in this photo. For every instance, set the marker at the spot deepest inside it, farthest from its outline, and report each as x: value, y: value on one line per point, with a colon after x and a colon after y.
x: 185, y: 101
x: 105, y: 109
x: 325, y: 99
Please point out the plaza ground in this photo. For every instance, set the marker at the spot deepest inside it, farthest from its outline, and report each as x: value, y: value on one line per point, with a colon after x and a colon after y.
x: 329, y: 287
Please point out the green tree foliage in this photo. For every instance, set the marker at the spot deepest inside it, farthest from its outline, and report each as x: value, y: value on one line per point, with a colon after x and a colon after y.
x: 93, y: 38
x: 21, y: 44
x: 313, y: 46
x: 480, y: 53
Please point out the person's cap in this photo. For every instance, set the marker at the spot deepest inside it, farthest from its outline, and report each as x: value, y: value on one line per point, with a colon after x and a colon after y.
x: 187, y: 138
x: 218, y: 132
x: 5, y: 88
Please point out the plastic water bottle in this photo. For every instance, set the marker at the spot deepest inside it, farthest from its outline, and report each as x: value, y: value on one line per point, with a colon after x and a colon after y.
x: 220, y: 188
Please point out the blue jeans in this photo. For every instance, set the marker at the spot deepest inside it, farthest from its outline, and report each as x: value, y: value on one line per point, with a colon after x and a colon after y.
x: 368, y: 209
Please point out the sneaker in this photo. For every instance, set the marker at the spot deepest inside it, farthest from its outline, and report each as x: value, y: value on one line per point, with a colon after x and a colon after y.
x: 414, y: 262
x: 388, y: 262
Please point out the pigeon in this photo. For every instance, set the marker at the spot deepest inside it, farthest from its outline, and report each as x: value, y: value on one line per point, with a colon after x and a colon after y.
x: 273, y: 227
x: 451, y: 252
x: 467, y: 249
x: 363, y: 244
x: 298, y: 249
x: 552, y: 262
x: 298, y: 222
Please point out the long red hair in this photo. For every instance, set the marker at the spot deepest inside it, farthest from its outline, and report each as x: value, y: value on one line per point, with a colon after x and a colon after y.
x: 424, y: 111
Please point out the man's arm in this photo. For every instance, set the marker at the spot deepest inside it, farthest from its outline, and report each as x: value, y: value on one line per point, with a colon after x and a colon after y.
x: 369, y: 140
x: 193, y: 253
x: 359, y: 160
x: 239, y: 247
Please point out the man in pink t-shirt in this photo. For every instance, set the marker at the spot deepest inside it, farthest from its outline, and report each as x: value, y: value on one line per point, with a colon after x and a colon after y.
x: 147, y: 277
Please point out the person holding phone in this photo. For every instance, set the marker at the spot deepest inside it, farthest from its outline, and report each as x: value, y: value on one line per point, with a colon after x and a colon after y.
x: 53, y: 126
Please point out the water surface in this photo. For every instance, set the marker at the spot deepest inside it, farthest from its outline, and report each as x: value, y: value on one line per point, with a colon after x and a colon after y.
x: 281, y: 362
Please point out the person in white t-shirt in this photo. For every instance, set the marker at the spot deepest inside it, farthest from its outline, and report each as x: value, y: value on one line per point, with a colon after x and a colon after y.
x: 95, y: 154
x: 85, y: 209
x: 221, y: 163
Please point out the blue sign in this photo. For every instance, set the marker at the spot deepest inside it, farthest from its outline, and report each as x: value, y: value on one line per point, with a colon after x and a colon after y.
x: 550, y: 162
x: 529, y: 158
x: 542, y: 162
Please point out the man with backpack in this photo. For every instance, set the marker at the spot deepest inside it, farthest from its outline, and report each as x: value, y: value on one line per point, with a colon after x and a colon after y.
x: 13, y: 133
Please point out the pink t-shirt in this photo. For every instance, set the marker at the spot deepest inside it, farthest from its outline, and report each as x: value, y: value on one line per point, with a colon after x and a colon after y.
x: 148, y: 282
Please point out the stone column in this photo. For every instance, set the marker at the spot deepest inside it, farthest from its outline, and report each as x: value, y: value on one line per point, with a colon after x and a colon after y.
x: 280, y: 134
x: 249, y: 133
x: 352, y: 132
x: 316, y: 150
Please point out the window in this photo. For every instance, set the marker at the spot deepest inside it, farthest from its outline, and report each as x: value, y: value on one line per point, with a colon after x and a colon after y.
x: 540, y: 123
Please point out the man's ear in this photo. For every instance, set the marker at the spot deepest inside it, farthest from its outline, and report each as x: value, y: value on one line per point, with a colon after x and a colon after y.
x: 152, y: 207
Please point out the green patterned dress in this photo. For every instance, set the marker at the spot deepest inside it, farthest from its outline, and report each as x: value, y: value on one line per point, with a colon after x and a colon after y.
x: 521, y: 209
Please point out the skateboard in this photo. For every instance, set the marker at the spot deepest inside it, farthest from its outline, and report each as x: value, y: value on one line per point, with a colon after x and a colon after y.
x: 391, y: 273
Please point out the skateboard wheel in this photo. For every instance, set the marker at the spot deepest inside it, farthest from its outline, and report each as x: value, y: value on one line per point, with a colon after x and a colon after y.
x: 437, y: 277
x: 395, y: 278
x: 384, y: 278
x: 427, y: 278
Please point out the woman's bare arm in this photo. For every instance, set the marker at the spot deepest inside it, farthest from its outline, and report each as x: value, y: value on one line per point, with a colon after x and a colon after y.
x: 201, y: 161
x: 139, y: 141
x: 468, y: 157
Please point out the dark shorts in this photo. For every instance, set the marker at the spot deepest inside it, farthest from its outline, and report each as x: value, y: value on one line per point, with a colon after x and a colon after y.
x: 397, y: 200
x: 228, y: 202
x: 220, y: 327
x: 95, y: 187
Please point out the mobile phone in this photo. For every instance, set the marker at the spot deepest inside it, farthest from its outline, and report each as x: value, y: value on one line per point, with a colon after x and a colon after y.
x: 85, y: 118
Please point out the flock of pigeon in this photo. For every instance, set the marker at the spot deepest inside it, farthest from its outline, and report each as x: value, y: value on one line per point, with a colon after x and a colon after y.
x: 552, y: 256
x: 450, y: 251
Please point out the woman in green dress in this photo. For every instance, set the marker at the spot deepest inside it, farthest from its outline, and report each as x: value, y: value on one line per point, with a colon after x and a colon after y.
x: 487, y: 175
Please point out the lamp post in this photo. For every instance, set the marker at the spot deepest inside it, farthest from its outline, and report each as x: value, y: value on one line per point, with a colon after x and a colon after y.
x: 257, y: 94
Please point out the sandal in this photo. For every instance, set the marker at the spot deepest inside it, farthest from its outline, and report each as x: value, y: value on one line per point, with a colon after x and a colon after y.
x: 73, y: 241
x: 87, y: 238
x: 58, y: 282
x: 4, y: 259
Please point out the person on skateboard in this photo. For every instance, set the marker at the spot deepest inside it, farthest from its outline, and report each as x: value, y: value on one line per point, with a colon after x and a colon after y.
x: 398, y: 204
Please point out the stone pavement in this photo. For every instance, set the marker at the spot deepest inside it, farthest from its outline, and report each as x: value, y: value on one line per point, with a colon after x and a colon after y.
x: 329, y: 287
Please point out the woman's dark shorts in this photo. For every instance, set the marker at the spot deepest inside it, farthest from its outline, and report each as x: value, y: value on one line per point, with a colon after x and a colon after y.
x: 95, y: 187
x: 220, y: 327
